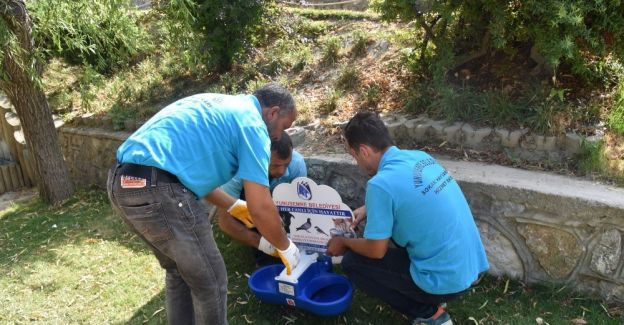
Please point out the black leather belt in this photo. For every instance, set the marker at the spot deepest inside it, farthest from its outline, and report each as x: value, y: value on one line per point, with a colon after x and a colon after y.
x: 147, y: 172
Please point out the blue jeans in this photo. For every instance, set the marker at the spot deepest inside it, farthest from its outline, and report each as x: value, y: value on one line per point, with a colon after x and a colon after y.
x: 175, y: 225
x: 389, y: 279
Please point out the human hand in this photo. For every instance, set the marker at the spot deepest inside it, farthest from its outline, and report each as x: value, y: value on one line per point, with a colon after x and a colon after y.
x: 359, y: 215
x: 336, y: 246
x: 239, y: 211
x: 289, y: 256
x: 266, y: 247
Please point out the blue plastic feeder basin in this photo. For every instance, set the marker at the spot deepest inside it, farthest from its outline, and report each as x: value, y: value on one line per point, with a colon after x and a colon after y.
x: 317, y: 289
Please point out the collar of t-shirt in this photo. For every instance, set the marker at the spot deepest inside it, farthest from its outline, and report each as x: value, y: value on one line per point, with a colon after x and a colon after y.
x: 389, y: 153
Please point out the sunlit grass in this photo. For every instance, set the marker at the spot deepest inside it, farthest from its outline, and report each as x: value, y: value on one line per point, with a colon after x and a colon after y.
x: 79, y: 264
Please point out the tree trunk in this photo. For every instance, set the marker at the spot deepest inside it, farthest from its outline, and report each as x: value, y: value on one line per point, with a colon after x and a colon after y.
x: 24, y: 91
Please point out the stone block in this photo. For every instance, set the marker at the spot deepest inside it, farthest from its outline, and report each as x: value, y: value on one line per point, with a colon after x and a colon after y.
x: 421, y: 130
x: 474, y: 138
x: 546, y: 143
x: 501, y: 253
x: 557, y: 251
x: 346, y: 186
x: 87, y: 119
x: 572, y: 143
x: 106, y: 122
x: 315, y: 125
x: 606, y: 254
x: 396, y: 128
x: 340, y: 125
x: 510, y: 139
x: 130, y: 125
x: 502, y: 134
x: 529, y: 142
x: 452, y: 133
x: 297, y: 135
x: 437, y: 130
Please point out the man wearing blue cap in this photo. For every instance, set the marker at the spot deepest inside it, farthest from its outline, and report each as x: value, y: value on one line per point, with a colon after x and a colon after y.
x: 183, y: 154
x: 413, y: 201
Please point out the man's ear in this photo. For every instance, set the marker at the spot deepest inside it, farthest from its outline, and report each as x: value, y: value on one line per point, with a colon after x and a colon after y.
x: 271, y: 113
x: 365, y: 150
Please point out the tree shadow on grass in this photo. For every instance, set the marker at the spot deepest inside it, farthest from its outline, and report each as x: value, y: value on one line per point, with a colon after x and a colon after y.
x: 33, y: 231
x: 153, y: 312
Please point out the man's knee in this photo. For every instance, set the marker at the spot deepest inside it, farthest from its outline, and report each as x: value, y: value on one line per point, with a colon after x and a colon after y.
x: 349, y: 263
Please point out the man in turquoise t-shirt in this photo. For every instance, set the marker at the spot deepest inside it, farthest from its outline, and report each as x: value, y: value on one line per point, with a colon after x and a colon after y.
x: 183, y: 154
x: 413, y: 201
x: 286, y: 165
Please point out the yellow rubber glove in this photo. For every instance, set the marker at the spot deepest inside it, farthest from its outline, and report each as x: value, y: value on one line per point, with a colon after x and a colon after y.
x: 289, y: 256
x: 239, y: 211
x: 266, y: 247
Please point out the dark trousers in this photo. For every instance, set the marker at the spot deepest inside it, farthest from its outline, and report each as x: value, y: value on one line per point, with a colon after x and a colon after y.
x: 389, y: 279
x: 174, y: 224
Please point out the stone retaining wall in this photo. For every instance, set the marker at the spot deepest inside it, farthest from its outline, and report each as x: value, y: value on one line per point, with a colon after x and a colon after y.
x: 518, y: 144
x: 536, y: 227
x: 89, y: 153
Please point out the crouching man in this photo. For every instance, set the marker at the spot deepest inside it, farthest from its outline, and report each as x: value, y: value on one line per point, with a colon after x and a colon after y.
x: 413, y: 201
x: 285, y: 165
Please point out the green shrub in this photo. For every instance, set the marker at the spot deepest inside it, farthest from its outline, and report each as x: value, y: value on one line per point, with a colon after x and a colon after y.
x: 330, y: 102
x: 348, y: 78
x: 360, y: 44
x: 565, y: 32
x: 616, y: 115
x: 227, y: 27
x: 311, y: 28
x: 102, y: 34
x: 372, y: 96
x: 331, y: 50
x: 286, y: 54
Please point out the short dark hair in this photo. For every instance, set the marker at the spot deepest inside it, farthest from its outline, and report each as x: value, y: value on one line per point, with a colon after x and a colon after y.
x: 273, y: 94
x: 282, y: 147
x: 367, y: 128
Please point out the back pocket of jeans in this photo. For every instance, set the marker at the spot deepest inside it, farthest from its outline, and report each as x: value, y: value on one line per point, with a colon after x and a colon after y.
x: 149, y: 221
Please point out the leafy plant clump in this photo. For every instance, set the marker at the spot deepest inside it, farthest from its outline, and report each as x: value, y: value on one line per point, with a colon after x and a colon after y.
x: 103, y: 34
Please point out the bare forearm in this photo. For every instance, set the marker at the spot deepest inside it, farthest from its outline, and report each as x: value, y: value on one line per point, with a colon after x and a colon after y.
x: 237, y: 230
x: 220, y: 199
x: 368, y: 248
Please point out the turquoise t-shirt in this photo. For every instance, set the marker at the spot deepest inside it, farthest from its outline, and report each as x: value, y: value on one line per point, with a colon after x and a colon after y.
x: 296, y: 168
x: 413, y: 200
x: 204, y: 140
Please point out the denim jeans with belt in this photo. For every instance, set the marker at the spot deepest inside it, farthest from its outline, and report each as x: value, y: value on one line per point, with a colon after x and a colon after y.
x: 175, y: 225
x: 389, y: 279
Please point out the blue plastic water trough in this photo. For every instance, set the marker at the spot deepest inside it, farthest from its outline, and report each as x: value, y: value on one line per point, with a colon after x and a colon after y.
x: 312, y: 286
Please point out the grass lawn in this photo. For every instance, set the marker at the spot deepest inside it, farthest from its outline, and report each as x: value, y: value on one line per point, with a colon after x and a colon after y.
x: 78, y: 264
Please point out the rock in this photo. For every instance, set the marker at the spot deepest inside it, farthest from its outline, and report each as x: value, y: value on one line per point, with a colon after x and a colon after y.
x: 474, y: 138
x: 313, y: 126
x: 437, y: 130
x: 607, y: 252
x: 556, y: 250
x: 501, y: 253
x: 106, y: 122
x: 452, y: 133
x: 545, y: 143
x: 297, y: 135
x: 130, y: 125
